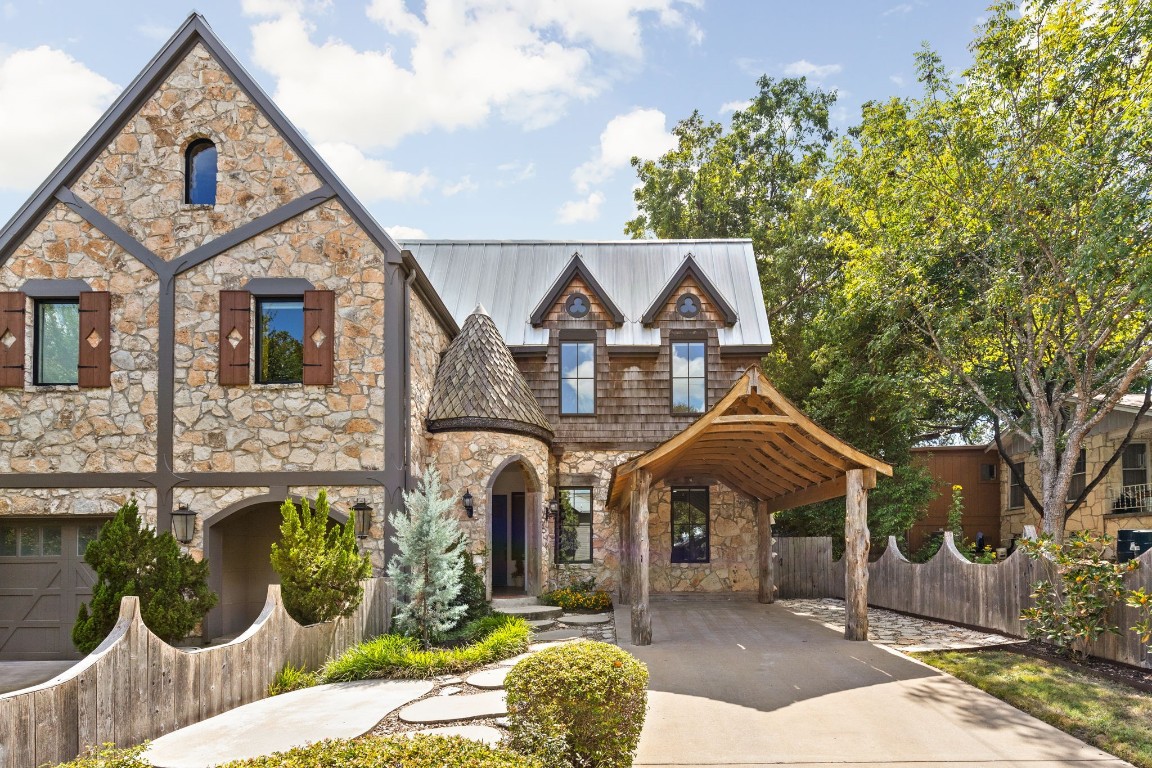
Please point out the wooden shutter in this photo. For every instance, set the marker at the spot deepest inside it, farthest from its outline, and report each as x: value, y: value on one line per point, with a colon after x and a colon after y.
x: 12, y: 339
x: 319, y: 337
x: 235, y: 337
x: 95, y: 369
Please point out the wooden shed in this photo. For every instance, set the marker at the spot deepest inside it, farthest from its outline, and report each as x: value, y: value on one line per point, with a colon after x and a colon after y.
x: 976, y: 469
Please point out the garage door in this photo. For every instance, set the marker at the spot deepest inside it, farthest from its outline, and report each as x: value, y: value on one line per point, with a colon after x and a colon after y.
x: 43, y: 581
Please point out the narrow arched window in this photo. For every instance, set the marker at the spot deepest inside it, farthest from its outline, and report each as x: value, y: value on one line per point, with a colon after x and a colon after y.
x: 200, y: 173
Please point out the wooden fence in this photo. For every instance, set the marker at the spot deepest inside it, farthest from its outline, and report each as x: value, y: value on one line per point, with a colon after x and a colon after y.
x: 135, y: 686
x: 950, y: 588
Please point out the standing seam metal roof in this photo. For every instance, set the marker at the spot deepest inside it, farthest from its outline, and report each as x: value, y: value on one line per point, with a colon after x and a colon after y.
x: 510, y: 277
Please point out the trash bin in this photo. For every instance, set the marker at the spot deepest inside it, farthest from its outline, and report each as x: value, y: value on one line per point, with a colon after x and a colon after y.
x: 1132, y: 543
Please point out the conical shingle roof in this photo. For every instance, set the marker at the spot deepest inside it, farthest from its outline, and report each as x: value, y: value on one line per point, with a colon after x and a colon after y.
x: 479, y: 387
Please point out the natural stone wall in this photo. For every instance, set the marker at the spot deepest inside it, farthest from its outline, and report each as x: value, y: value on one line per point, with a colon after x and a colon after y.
x: 65, y: 428
x: 83, y: 502
x: 138, y: 181
x: 427, y: 341
x: 286, y: 427
x: 575, y: 468
x: 732, y: 545
x: 470, y: 461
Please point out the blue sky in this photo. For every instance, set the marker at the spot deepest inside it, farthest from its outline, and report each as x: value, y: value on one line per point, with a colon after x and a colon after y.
x: 472, y: 118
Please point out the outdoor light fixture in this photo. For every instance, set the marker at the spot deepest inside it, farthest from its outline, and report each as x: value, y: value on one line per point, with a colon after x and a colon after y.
x: 183, y: 524
x: 363, y: 512
x: 468, y: 505
x: 552, y: 508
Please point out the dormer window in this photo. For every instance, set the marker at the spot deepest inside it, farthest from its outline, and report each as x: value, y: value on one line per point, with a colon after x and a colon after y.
x: 688, y: 306
x: 577, y: 306
x: 200, y: 173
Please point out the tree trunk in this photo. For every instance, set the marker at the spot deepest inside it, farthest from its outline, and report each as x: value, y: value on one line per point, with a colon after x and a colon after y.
x: 856, y: 545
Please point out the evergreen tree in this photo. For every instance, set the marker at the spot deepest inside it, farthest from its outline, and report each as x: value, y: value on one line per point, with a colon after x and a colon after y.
x: 320, y: 567
x: 427, y: 569
x: 132, y: 559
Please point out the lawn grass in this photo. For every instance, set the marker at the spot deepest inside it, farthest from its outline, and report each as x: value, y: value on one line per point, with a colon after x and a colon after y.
x: 1111, y: 716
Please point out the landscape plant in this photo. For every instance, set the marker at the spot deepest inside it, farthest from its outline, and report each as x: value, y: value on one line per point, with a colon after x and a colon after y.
x: 592, y: 695
x: 108, y: 755
x: 580, y: 595
x: 291, y: 678
x: 404, y: 751
x: 319, y: 564
x: 131, y: 558
x: 427, y: 568
x: 1080, y: 588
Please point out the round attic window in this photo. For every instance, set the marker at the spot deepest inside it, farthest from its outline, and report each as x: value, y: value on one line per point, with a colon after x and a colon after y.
x: 688, y: 306
x: 577, y: 305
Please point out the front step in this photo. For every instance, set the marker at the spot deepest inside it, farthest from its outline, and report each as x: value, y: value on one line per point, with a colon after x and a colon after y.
x: 541, y: 625
x: 527, y: 608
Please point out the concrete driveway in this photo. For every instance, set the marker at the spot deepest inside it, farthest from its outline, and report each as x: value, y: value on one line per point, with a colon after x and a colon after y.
x: 737, y: 683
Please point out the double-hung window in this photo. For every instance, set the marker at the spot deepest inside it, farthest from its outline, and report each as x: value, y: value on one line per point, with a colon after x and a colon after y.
x: 574, y: 526
x: 1079, y: 476
x: 578, y: 377
x: 690, y: 525
x: 56, y: 343
x: 1134, y: 478
x: 1015, y: 489
x: 688, y: 377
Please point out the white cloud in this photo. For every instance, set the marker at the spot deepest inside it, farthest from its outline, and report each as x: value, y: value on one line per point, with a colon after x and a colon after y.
x: 515, y: 172
x: 371, y: 179
x: 901, y: 8
x: 640, y: 132
x: 576, y: 211
x: 454, y: 66
x: 897, y: 79
x: 401, y: 232
x: 805, y: 68
x: 464, y: 184
x: 50, y: 100
x: 735, y: 106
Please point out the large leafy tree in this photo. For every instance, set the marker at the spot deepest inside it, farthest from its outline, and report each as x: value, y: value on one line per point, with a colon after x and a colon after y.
x: 1008, y: 212
x: 832, y: 354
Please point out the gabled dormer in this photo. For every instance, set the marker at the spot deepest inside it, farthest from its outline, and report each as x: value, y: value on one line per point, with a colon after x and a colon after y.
x: 690, y: 295
x: 577, y: 295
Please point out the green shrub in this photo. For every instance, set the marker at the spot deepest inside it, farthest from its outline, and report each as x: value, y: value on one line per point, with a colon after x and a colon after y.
x: 397, y: 656
x: 132, y: 559
x: 1080, y: 589
x: 110, y: 756
x: 579, y: 595
x: 320, y: 567
x: 393, y: 752
x: 594, y: 694
x: 291, y: 678
x: 472, y: 591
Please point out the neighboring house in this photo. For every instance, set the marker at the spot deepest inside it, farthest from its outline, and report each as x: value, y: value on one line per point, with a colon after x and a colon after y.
x: 195, y: 310
x: 974, y: 468
x: 1122, y: 500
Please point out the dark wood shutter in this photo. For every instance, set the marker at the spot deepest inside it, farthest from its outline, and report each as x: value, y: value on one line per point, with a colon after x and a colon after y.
x: 12, y: 339
x: 319, y: 337
x: 95, y: 339
x: 235, y: 337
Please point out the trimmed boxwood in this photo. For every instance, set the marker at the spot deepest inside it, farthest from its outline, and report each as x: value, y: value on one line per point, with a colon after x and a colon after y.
x: 392, y: 752
x: 590, y: 694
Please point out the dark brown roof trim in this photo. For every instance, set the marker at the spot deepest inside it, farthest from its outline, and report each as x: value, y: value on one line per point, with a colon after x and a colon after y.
x: 474, y: 424
x: 535, y: 350
x: 576, y: 266
x: 428, y: 293
x: 734, y: 350
x: 690, y: 267
x: 635, y: 350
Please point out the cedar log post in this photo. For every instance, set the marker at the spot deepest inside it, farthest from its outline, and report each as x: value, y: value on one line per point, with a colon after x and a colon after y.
x: 641, y: 618
x: 625, y: 557
x: 767, y: 580
x: 856, y: 543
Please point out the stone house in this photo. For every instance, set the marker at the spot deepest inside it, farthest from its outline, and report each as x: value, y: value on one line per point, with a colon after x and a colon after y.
x: 195, y: 311
x: 1121, y: 501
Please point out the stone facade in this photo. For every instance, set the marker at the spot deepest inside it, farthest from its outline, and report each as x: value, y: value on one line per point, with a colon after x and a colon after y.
x: 138, y: 181
x: 74, y: 502
x: 731, y: 544
x: 427, y: 341
x: 583, y: 468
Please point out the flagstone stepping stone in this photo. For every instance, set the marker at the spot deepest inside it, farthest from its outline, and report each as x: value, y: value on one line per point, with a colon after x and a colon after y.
x: 585, y: 619
x: 548, y: 639
x: 278, y: 723
x: 451, y: 709
x: 514, y: 660
x: 539, y: 625
x: 531, y: 612
x: 451, y: 690
x: 485, y: 734
x: 490, y: 678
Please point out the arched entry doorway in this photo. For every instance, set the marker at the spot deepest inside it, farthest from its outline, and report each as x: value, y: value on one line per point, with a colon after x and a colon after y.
x: 514, y: 531
x: 239, y: 541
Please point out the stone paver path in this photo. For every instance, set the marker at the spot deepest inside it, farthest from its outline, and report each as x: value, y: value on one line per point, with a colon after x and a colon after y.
x: 489, y: 678
x: 453, y: 709
x: 905, y: 633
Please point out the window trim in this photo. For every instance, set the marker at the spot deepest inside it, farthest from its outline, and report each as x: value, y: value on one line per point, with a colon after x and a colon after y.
x: 38, y: 337
x: 707, y: 524
x: 1013, y: 484
x: 672, y: 377
x: 591, y: 521
x: 256, y: 338
x: 561, y: 378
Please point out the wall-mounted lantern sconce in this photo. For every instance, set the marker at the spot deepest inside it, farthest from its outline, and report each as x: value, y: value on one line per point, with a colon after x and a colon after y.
x: 183, y: 524
x: 469, y: 505
x: 363, y: 511
x: 552, y: 508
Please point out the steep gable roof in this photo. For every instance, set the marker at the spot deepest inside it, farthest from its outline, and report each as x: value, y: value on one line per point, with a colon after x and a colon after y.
x: 479, y: 387
x: 689, y: 268
x: 576, y: 268
x: 195, y: 30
